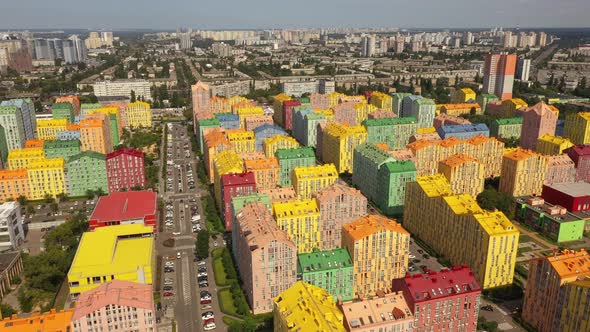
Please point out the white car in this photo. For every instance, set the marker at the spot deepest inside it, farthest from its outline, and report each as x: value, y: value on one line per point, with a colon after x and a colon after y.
x: 207, y: 315
x: 201, y: 263
x: 175, y: 233
x: 412, y: 256
x: 178, y: 255
x: 202, y: 274
x: 169, y: 263
x: 209, y: 327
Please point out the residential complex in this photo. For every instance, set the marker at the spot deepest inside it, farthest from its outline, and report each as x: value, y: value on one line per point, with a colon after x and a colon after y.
x: 465, y: 174
x: 140, y: 88
x: 125, y: 170
x: 86, y: 171
x: 331, y: 270
x: 506, y: 128
x: 338, y: 144
x: 393, y: 131
x: 124, y: 208
x: 234, y: 185
x: 266, y: 172
x: 538, y: 120
x: 95, y: 133
x: 523, y: 172
x: 550, y: 145
x: 301, y: 220
x: 310, y: 179
x: 47, y: 129
x: 577, y: 127
x: 46, y: 178
x: 289, y: 159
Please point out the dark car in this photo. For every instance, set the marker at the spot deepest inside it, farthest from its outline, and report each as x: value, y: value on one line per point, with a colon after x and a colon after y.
x: 425, y: 256
x: 167, y: 288
x: 205, y: 293
x: 202, y: 269
x: 201, y: 279
x: 424, y: 268
x: 203, y: 285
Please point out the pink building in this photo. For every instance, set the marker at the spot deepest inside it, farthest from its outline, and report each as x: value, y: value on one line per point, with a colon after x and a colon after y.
x: 339, y: 205
x: 560, y: 169
x: 234, y: 185
x: 268, y: 258
x: 537, y: 121
x: 382, y: 114
x: 442, y: 301
x: 125, y: 170
x: 115, y: 306
x: 446, y: 119
x: 580, y: 154
x: 283, y: 194
x: 426, y: 136
x: 320, y: 101
x: 345, y: 113
x: 253, y: 122
x: 201, y: 101
x: 384, y: 312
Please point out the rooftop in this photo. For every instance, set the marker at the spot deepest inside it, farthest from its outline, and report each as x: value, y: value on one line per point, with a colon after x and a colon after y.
x: 295, y: 208
x: 259, y: 228
x: 238, y: 179
x: 128, y: 205
x: 370, y: 224
x: 575, y: 189
x: 509, y: 121
x: 376, y: 311
x: 435, y: 285
x: 51, y: 321
x: 295, y: 153
x: 323, y: 260
x: 519, y: 154
x: 571, y: 264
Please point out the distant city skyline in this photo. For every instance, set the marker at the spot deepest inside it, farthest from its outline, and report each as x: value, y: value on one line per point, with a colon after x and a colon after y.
x: 267, y: 14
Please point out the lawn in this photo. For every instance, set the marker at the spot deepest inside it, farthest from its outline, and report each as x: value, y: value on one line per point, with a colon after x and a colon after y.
x: 220, y: 275
x: 226, y: 302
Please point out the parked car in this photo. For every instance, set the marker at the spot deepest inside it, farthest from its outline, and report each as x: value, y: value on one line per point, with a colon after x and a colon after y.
x: 207, y: 315
x: 209, y: 326
x: 205, y: 302
x: 168, y: 294
x: 167, y: 288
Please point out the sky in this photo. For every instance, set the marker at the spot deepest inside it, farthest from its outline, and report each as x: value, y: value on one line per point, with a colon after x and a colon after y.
x: 267, y: 14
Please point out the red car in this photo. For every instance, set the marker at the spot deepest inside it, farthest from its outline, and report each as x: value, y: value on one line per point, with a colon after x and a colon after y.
x: 168, y: 294
x: 205, y: 301
x: 210, y: 320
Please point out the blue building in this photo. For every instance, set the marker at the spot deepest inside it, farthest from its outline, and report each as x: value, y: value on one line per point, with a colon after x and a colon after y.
x: 266, y: 131
x: 68, y: 135
x: 463, y: 131
x: 228, y: 120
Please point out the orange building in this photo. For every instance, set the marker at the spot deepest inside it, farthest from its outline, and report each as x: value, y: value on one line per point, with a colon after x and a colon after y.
x: 523, y: 173
x: 215, y: 142
x: 74, y: 100
x: 13, y: 183
x: 51, y: 321
x: 465, y: 174
x: 266, y: 172
x: 34, y: 143
x: 95, y: 133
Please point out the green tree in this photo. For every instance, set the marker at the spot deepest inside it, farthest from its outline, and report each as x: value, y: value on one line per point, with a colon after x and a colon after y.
x: 54, y: 207
x: 22, y: 200
x: 90, y: 194
x: 202, y: 244
x: 7, y: 310
x: 133, y: 98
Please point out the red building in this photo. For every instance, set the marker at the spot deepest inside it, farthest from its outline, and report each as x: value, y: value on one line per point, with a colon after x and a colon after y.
x: 121, y: 208
x: 444, y: 301
x: 125, y: 170
x: 580, y: 154
x: 234, y: 185
x: 288, y: 106
x: 574, y: 196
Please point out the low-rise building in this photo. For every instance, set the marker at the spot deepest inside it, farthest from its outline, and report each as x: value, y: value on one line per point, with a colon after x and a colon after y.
x: 12, y: 234
x: 574, y: 196
x: 123, y: 208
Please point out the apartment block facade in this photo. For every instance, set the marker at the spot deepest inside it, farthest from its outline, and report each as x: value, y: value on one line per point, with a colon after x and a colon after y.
x: 289, y: 159
x: 395, y: 132
x: 86, y: 171
x: 523, y: 173
x: 338, y: 144
x: 310, y: 179
x: 537, y: 121
x: 234, y: 185
x: 301, y: 220
x: 577, y: 127
x: 331, y: 270
x: 125, y: 170
x: 465, y: 174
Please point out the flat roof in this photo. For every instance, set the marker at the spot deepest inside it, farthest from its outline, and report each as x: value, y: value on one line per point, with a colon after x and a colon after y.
x: 125, y: 206
x: 575, y: 189
x: 323, y: 260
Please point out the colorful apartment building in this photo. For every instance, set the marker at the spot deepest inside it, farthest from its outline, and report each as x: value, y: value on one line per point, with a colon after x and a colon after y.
x: 307, y: 180
x: 395, y: 132
x: 331, y: 270
x: 138, y: 114
x: 362, y: 112
x: 61, y: 149
x: 21, y: 158
x: 547, y: 288
x: 574, y: 313
x: 50, y: 321
x: 338, y: 144
x: 423, y: 109
x: 305, y: 307
x: 46, y: 178
x: 483, y: 100
x: 574, y: 196
x: 12, y: 121
x: 235, y: 185
x: 487, y: 150
x: 465, y: 174
x: 523, y: 173
x: 384, y: 312
x: 266, y: 172
x: 346, y: 113
x: 202, y: 124
x: 446, y: 119
x: 537, y: 121
x: 3, y: 148
x: 381, y: 114
x: 226, y: 162
x: 86, y: 108
x: 301, y: 220
x: 448, y: 300
x: 506, y: 128
x: 381, y: 100
x: 319, y: 101
x: 215, y: 142
x: 305, y: 127
x: 125, y: 170
x: 550, y: 220
x: 552, y: 145
x: 126, y: 253
x: 95, y: 133
x: 98, y: 309
x: 34, y: 143
x: 464, y: 95
x: 463, y: 131
x: 242, y: 141
x: 86, y: 171
x: 398, y: 105
x: 289, y: 159
x: 246, y: 112
x: 253, y: 122
x: 339, y: 205
x: 228, y: 120
x: 577, y: 127
x: 267, y: 131
x: 286, y: 113
x: 381, y: 177
x: 461, y: 223
x: 13, y: 184
x: 278, y: 115
x: 580, y: 154
x: 379, y: 249
x: 73, y: 100
x: 560, y: 169
x: 63, y: 111
x: 272, y: 144
x: 114, y: 118
x: 460, y: 109
x: 47, y: 129
x: 268, y: 258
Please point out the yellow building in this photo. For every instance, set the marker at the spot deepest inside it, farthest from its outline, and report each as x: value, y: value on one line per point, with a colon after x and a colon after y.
x: 278, y: 107
x: 46, y: 177
x: 466, y: 175
x: 121, y: 252
x: 463, y: 96
x: 266, y: 172
x: 309, y: 179
x: 426, y: 130
x: 459, y: 109
x: 245, y: 112
x: 552, y: 145
x: 225, y: 162
x: 219, y: 105
x: 510, y: 106
x: 328, y: 114
x: 382, y: 101
x: 108, y: 111
x: 523, y: 173
x: 272, y: 144
x: 241, y: 140
x: 301, y: 220
x: 574, y: 313
x: 577, y: 127
x: 491, y: 239
x: 21, y: 158
x: 138, y: 114
x: 363, y: 111
x: 305, y: 307
x: 95, y: 133
x: 379, y: 248
x: 339, y: 142
x: 335, y: 98
x: 47, y: 129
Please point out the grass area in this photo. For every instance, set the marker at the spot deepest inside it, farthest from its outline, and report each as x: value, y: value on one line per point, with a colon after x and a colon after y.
x: 524, y: 250
x: 217, y: 252
x: 157, y: 297
x: 231, y: 322
x: 226, y: 302
x: 572, y: 244
x: 220, y: 275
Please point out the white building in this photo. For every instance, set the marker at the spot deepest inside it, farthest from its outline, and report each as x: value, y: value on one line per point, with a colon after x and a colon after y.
x: 11, y: 226
x: 523, y: 69
x: 299, y: 88
x: 231, y: 89
x: 123, y: 88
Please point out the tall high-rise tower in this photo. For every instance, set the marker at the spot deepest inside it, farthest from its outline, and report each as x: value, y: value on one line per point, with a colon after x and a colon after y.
x: 498, y: 76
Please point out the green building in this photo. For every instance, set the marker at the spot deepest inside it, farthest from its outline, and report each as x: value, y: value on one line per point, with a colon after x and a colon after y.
x: 114, y: 121
x: 86, y: 171
x: 3, y: 148
x: 397, y: 102
x: 63, y: 111
x: 202, y: 124
x: 331, y: 270
x: 238, y: 203
x: 291, y: 158
x: 382, y: 178
x: 62, y: 148
x: 310, y: 128
x: 553, y: 221
x: 484, y: 99
x: 506, y: 128
x: 86, y: 108
x: 395, y: 132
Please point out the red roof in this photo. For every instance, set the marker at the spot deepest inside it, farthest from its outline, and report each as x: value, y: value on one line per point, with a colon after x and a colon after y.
x: 128, y: 151
x: 236, y: 179
x: 437, y: 285
x: 126, y: 205
x: 582, y: 150
x: 293, y: 102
